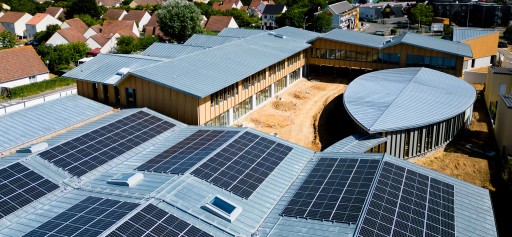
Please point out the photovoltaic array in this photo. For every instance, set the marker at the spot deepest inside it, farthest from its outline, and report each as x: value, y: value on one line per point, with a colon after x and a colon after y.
x: 93, y: 149
x: 335, y: 190
x: 90, y: 217
x: 20, y: 186
x: 407, y: 203
x: 153, y: 221
x: 243, y: 165
x: 179, y: 158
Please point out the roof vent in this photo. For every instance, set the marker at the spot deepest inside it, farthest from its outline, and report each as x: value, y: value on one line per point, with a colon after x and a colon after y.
x: 34, y: 148
x: 126, y: 179
x: 122, y: 71
x: 223, y: 208
x: 277, y: 35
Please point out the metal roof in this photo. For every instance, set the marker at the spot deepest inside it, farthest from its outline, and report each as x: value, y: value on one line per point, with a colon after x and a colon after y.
x: 240, y: 32
x: 462, y: 34
x: 104, y: 68
x: 184, y: 195
x: 31, y: 123
x: 507, y: 99
x: 501, y: 70
x: 381, y: 42
x: 296, y: 34
x: 166, y: 50
x: 209, y: 40
x: 359, y: 142
x: 398, y: 99
x: 221, y: 66
x: 340, y: 7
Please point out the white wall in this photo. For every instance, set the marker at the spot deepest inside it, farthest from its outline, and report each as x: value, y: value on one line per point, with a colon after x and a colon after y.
x: 92, y: 44
x: 56, y: 39
x: 41, y: 26
x: 479, y: 63
x: 24, y: 81
x: 110, y: 46
x: 20, y: 26
x: 145, y: 19
x: 232, y: 23
x: 90, y: 32
x: 475, y: 77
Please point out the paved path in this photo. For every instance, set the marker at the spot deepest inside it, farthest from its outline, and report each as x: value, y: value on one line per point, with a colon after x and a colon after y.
x: 4, y: 103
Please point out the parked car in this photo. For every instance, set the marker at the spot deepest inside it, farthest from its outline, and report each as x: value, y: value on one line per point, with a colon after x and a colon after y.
x: 33, y: 42
x: 502, y: 44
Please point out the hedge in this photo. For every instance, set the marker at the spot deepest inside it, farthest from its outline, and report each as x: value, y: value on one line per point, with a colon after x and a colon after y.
x: 38, y: 87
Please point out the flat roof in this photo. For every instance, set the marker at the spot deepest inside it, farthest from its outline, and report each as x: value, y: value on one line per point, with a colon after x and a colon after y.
x: 404, y: 98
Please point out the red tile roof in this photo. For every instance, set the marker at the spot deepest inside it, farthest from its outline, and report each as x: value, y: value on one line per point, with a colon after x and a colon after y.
x: 152, y: 27
x: 218, y: 23
x: 53, y: 11
x: 71, y: 35
x: 113, y: 14
x: 224, y: 5
x: 126, y: 32
x: 2, y: 29
x: 135, y: 15
x: 78, y: 25
x: 111, y: 27
x: 147, y: 2
x: 109, y: 3
x: 19, y: 63
x: 100, y: 39
x: 12, y: 17
x: 96, y: 28
x: 36, y: 19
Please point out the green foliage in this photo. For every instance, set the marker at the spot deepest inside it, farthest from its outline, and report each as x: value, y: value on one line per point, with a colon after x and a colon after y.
x: 88, y: 20
x: 421, y: 14
x: 205, y: 9
x: 45, y: 35
x: 7, y: 40
x: 62, y: 56
x: 321, y: 23
x: 304, y: 3
x: 242, y: 19
x: 86, y: 7
x: 178, y: 20
x: 126, y: 2
x: 447, y: 30
x: 293, y: 17
x: 30, y: 6
x: 39, y: 87
x: 393, y: 31
x: 144, y: 42
x: 126, y: 44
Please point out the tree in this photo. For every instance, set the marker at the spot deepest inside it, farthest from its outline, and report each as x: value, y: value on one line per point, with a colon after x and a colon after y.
x: 321, y: 23
x: 242, y: 19
x: 178, y: 20
x: 88, y: 20
x: 61, y: 56
x: 45, y: 35
x: 88, y: 7
x: 7, y: 39
x: 293, y: 17
x: 144, y: 42
x: 126, y: 44
x: 421, y: 14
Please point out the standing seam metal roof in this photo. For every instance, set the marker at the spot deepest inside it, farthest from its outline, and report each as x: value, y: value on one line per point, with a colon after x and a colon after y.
x: 462, y: 34
x: 165, y: 50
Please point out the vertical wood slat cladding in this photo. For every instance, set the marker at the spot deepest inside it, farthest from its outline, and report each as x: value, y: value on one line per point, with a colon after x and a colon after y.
x: 401, y: 49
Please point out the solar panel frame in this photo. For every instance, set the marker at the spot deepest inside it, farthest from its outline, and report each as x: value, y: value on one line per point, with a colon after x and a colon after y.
x: 154, y: 221
x: 93, y: 149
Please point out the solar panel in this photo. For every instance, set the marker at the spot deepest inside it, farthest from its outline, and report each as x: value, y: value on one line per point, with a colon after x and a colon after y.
x: 243, y: 164
x: 408, y: 203
x: 19, y: 186
x: 90, y: 217
x: 95, y: 148
x: 181, y: 157
x: 334, y: 190
x: 153, y: 221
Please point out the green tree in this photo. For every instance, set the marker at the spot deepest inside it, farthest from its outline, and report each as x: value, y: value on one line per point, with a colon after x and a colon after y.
x: 321, y: 23
x: 88, y: 20
x: 126, y: 44
x: 7, y: 39
x: 144, y: 42
x: 242, y: 19
x: 62, y: 56
x: 45, y: 35
x: 178, y: 20
x: 29, y: 6
x: 88, y: 7
x: 421, y: 14
x: 293, y: 17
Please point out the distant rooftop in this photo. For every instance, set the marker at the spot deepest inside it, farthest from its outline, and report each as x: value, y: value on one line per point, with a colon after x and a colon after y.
x: 501, y: 70
x: 462, y: 34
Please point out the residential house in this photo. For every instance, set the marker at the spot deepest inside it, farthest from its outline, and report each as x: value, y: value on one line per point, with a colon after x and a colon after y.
x: 498, y: 81
x: 484, y: 44
x: 106, y: 40
x: 226, y: 5
x: 141, y: 18
x: 114, y: 14
x: 476, y: 13
x: 109, y: 3
x: 344, y: 15
x: 256, y: 7
x: 21, y: 66
x: 2, y: 29
x: 503, y: 126
x: 218, y: 23
x: 203, y: 20
x: 39, y: 23
x: 15, y: 22
x: 136, y: 3
x: 95, y: 29
x: 269, y: 15
x: 374, y: 12
x: 5, y: 7
x: 57, y: 12
x: 1, y: 14
x: 65, y: 36
x: 111, y: 27
x: 75, y: 23
x: 152, y: 28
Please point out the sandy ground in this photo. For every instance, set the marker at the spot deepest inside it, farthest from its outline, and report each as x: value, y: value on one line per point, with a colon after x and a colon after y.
x: 293, y: 114
x: 458, y: 161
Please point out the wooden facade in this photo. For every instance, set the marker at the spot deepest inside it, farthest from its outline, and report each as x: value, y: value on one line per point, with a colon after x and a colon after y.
x: 401, y: 49
x: 484, y: 46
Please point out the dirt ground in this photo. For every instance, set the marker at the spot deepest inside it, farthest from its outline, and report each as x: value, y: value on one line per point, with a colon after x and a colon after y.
x: 458, y: 161
x: 294, y: 113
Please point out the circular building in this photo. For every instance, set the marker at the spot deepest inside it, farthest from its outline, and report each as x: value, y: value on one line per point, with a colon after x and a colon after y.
x: 416, y: 109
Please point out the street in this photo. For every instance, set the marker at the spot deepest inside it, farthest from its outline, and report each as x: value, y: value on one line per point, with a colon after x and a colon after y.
x: 507, y: 57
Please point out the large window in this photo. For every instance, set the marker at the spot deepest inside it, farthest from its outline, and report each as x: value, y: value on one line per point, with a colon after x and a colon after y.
x: 219, y: 97
x: 354, y: 55
x: 279, y: 85
x: 294, y: 76
x: 262, y: 96
x: 431, y: 61
x: 221, y: 120
x: 241, y: 109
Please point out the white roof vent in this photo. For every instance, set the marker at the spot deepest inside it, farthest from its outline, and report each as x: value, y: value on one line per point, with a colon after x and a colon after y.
x: 126, y: 179
x: 122, y: 71
x: 223, y: 208
x: 34, y: 148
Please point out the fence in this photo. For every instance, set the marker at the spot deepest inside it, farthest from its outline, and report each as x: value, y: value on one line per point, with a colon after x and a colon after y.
x: 27, y: 103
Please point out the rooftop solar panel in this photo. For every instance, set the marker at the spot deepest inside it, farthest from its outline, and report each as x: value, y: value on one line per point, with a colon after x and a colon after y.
x: 19, y: 186
x: 93, y: 149
x: 187, y: 153
x: 335, y: 190
x: 408, y: 203
x: 153, y: 221
x: 90, y: 217
x: 243, y: 165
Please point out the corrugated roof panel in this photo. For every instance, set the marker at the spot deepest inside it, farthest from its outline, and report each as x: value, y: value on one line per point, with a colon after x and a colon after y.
x: 360, y: 142
x: 104, y: 68
x: 240, y: 32
x: 31, y: 123
x: 398, y: 99
x: 296, y: 34
x: 166, y: 50
x: 353, y: 37
x: 436, y: 44
x: 209, y: 40
x: 462, y: 34
x: 221, y: 66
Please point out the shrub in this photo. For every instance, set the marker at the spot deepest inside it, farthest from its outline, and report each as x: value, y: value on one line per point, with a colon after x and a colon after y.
x: 39, y: 87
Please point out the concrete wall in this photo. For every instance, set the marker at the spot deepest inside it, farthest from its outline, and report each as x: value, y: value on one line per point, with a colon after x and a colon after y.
x: 492, y: 87
x: 475, y: 77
